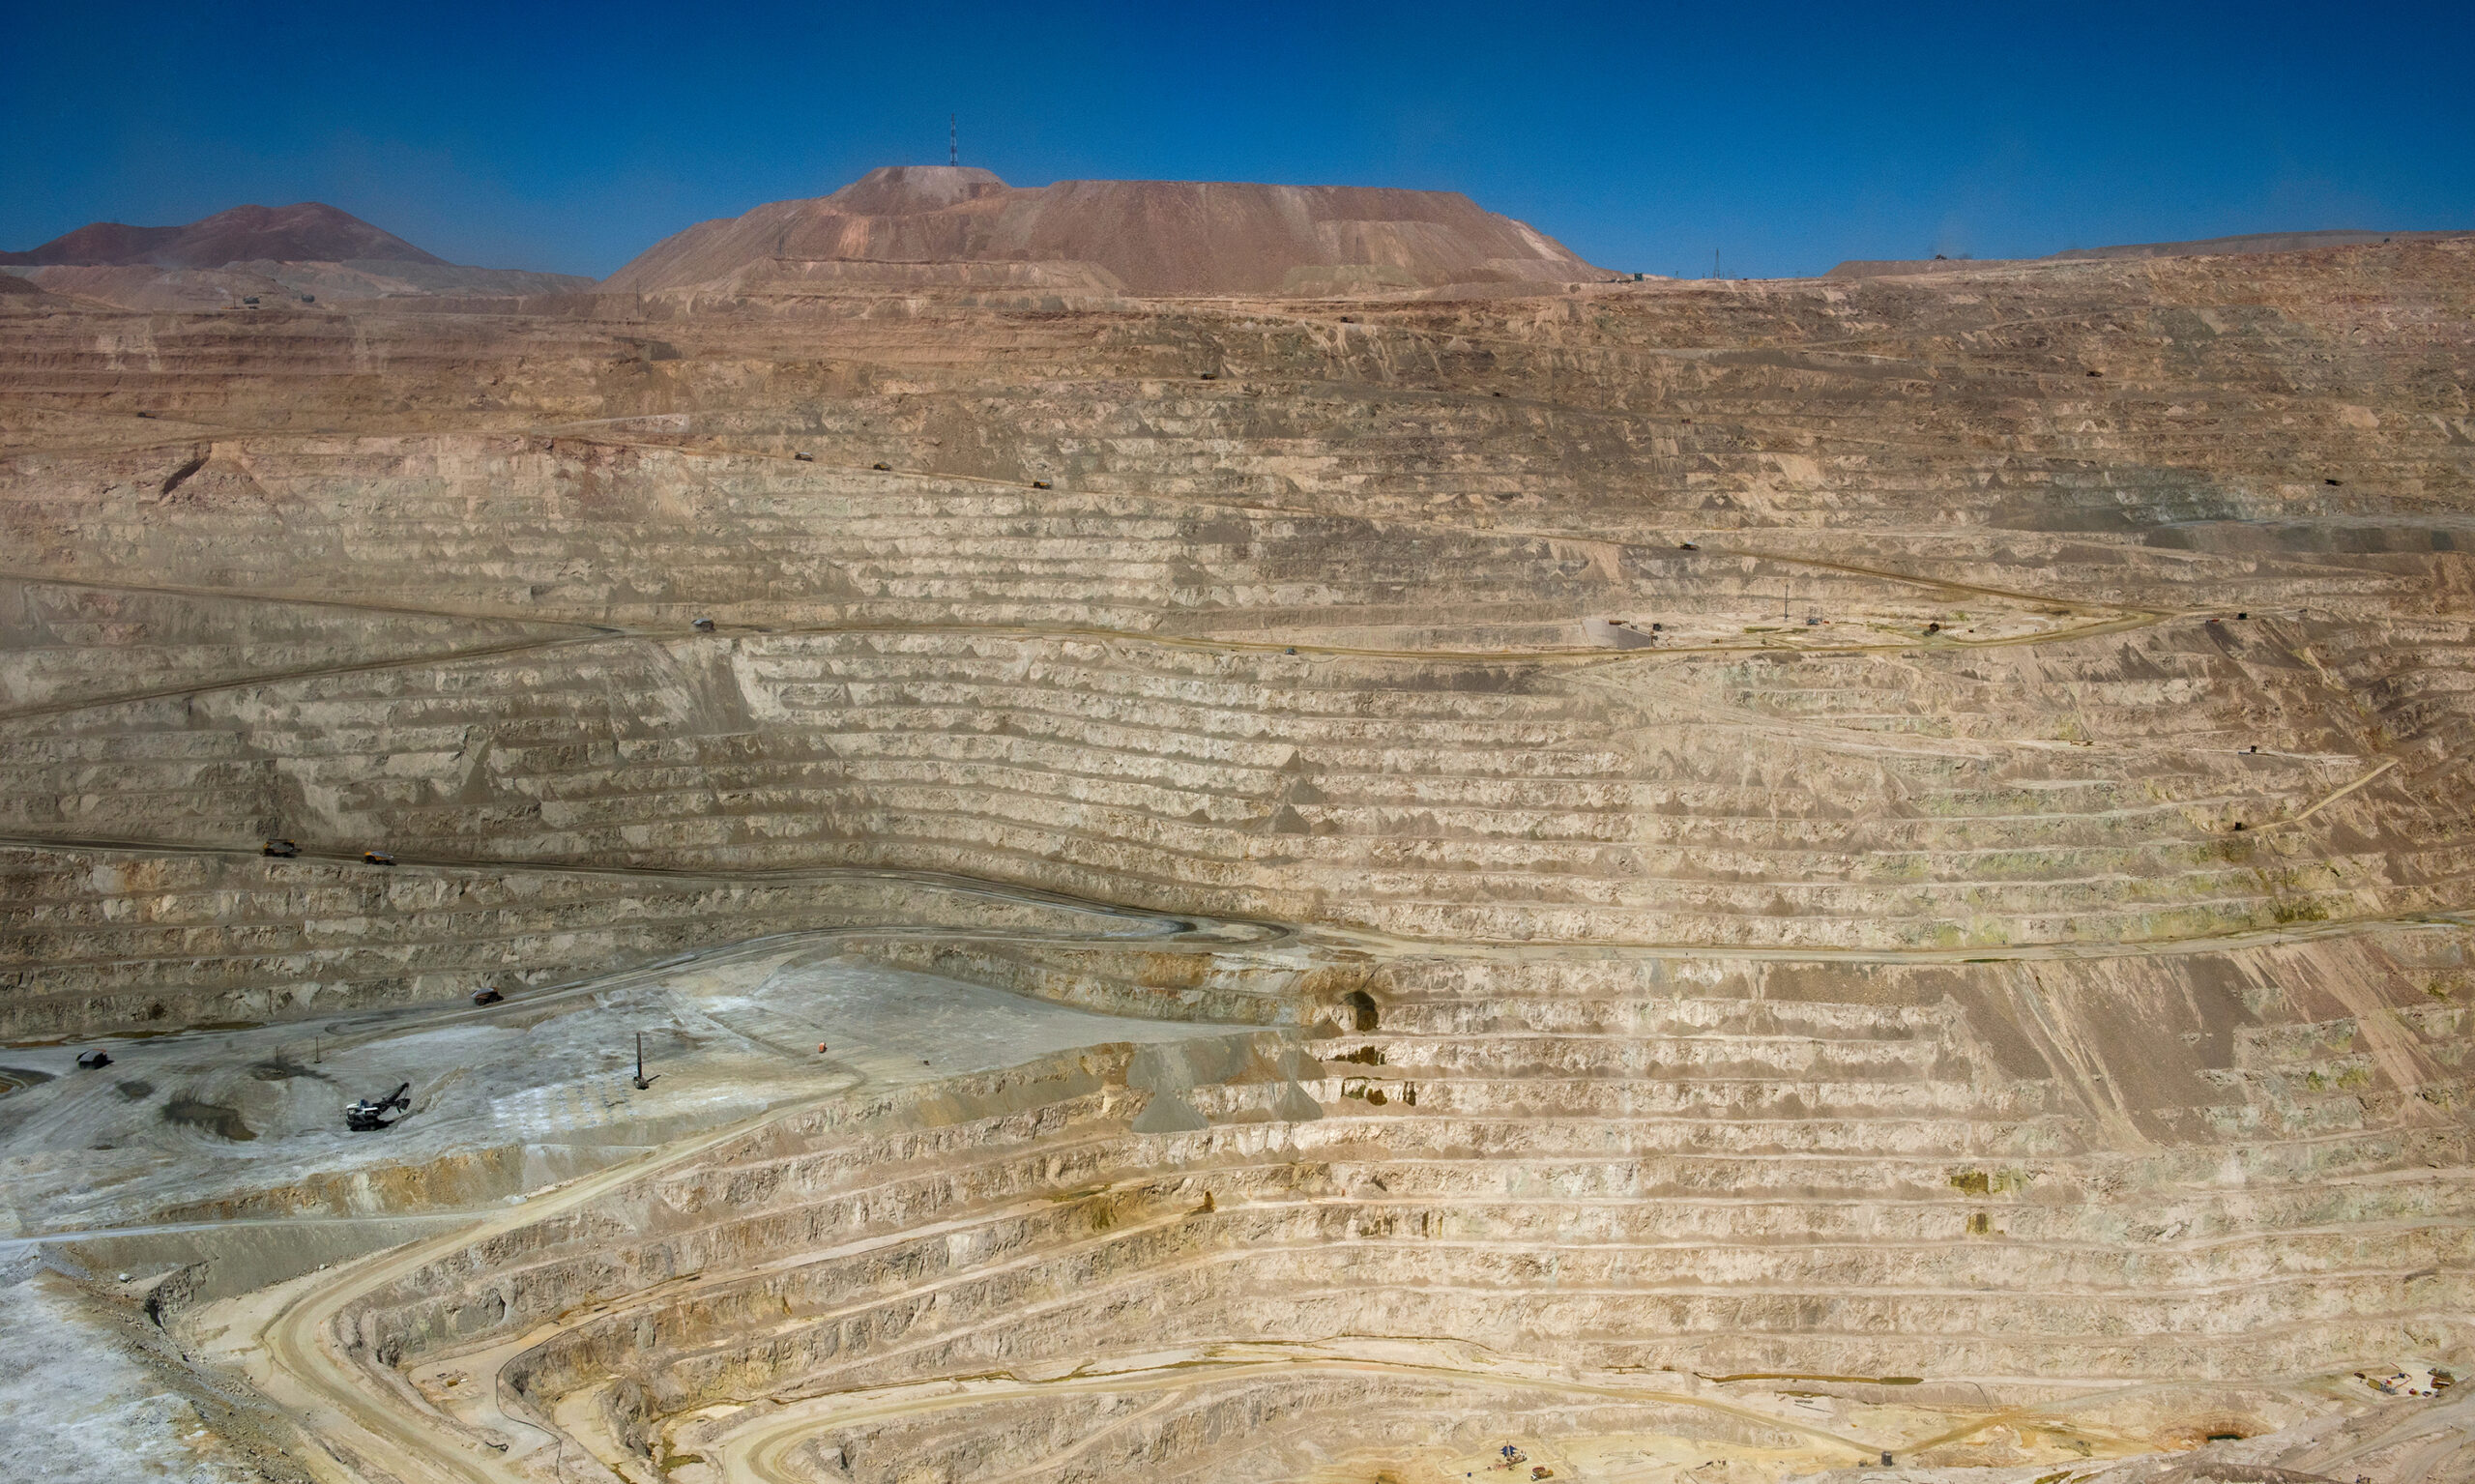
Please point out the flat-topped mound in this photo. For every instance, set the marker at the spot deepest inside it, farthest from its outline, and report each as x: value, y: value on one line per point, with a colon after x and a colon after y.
x: 1151, y: 237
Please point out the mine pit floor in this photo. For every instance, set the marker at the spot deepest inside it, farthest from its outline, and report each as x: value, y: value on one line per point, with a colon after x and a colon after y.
x: 214, y: 1127
x: 223, y: 1153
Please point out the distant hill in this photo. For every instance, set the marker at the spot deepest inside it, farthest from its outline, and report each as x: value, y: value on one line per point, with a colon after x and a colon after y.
x: 309, y: 232
x: 942, y: 224
x: 304, y: 253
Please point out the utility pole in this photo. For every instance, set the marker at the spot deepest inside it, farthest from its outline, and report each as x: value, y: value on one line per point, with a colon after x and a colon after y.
x: 1714, y: 264
x: 953, y: 139
x: 642, y: 1081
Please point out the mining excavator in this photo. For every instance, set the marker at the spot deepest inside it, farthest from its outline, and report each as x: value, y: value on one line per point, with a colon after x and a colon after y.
x: 365, y: 1117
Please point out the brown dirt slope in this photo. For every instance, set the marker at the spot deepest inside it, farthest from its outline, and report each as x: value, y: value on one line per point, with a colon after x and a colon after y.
x: 1154, y: 237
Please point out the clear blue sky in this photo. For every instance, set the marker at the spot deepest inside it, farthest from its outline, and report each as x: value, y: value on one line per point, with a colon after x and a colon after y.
x: 1787, y: 136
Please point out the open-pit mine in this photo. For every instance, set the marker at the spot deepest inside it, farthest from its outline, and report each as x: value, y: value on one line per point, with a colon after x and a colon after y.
x: 1137, y: 832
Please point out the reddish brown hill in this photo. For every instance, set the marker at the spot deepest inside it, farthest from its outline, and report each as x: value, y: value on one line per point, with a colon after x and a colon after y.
x: 304, y: 233
x: 1151, y: 237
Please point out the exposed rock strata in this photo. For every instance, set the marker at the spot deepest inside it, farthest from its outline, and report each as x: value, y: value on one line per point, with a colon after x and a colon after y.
x: 1745, y: 1050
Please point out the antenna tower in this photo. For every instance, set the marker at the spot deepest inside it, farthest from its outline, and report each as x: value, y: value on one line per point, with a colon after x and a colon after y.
x: 953, y: 139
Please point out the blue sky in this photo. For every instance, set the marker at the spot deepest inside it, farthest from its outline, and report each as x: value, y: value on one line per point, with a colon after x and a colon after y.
x: 1784, y: 137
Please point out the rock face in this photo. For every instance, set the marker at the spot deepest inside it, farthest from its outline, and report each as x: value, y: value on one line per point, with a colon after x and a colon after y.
x: 1696, y: 879
x: 1144, y: 236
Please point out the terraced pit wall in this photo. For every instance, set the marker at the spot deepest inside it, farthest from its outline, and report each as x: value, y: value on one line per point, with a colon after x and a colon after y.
x: 2217, y: 1168
x: 1990, y: 913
